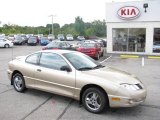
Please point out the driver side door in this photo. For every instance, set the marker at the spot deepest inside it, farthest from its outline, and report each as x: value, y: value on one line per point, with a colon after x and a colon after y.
x: 50, y: 77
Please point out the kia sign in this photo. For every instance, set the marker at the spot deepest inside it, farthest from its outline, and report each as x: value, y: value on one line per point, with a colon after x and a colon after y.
x: 128, y: 12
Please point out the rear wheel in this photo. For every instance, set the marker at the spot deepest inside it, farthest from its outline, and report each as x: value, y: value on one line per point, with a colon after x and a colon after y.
x: 94, y: 100
x: 18, y: 82
x: 6, y: 45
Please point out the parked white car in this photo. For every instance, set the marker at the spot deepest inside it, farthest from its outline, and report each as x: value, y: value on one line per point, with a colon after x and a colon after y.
x: 60, y: 37
x: 69, y: 37
x: 51, y: 37
x: 6, y: 43
x: 80, y: 38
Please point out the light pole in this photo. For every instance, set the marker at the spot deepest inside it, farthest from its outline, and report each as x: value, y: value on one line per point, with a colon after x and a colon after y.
x: 52, y: 23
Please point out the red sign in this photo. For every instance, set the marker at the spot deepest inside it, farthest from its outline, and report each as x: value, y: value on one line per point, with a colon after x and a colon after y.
x: 128, y: 12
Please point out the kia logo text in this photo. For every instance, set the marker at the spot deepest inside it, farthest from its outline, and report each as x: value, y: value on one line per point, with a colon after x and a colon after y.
x: 129, y: 12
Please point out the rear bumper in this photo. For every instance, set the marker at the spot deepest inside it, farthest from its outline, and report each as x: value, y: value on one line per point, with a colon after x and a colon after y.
x: 43, y: 44
x: 32, y: 43
x: 90, y: 54
x: 17, y: 43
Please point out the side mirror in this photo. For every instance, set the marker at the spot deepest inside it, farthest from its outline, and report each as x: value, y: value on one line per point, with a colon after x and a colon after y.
x: 65, y: 68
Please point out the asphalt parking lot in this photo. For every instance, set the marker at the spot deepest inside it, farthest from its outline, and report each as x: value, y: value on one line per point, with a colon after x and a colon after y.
x: 39, y: 105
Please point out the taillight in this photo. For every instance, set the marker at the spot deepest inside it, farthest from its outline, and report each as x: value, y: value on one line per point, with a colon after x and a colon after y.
x: 78, y: 49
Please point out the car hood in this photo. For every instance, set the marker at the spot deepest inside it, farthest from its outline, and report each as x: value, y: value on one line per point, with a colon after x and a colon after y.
x: 20, y: 58
x: 113, y: 75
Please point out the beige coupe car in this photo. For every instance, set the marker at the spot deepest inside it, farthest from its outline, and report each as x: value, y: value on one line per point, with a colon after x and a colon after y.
x: 75, y: 75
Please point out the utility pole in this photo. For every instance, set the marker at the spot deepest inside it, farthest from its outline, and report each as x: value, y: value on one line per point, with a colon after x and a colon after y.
x: 52, y: 23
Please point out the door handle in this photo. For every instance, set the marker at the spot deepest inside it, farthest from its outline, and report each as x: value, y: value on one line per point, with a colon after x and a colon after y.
x: 39, y: 70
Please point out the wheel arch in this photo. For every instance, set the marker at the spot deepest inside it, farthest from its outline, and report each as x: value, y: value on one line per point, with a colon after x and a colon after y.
x: 6, y: 44
x: 92, y: 86
x: 16, y: 71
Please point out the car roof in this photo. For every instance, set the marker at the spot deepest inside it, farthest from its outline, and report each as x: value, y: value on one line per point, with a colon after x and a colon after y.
x: 57, y: 51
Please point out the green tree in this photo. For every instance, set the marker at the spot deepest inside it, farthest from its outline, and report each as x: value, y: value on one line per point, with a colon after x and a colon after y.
x: 99, y: 28
x: 90, y: 32
x: 79, y: 25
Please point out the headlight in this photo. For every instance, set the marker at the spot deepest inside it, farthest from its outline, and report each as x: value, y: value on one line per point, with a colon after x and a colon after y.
x: 130, y: 86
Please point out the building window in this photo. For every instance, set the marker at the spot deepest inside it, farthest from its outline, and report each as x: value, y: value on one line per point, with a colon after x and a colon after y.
x: 129, y: 39
x: 156, y: 40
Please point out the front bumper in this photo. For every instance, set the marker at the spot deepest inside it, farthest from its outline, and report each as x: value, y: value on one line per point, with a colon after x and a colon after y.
x: 121, y: 101
x: 9, y: 73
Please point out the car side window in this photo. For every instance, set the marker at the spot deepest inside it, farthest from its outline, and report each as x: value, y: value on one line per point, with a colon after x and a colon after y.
x: 52, y: 60
x: 32, y: 59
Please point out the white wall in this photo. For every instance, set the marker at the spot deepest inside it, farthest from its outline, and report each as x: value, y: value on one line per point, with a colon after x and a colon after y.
x: 149, y: 34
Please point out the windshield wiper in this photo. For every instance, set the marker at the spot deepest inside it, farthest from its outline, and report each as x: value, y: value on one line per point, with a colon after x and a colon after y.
x: 85, y: 68
x: 98, y: 66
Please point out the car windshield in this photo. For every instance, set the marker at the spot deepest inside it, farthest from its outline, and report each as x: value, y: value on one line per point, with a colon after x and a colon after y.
x: 60, y: 35
x: 32, y: 39
x: 81, y: 61
x: 80, y: 37
x: 44, y: 39
x: 53, y: 44
x: 50, y: 35
x: 11, y: 35
x: 69, y: 35
x: 18, y: 38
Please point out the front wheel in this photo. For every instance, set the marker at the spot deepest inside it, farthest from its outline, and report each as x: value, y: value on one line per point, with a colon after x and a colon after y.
x: 94, y: 100
x: 18, y: 82
x: 6, y: 45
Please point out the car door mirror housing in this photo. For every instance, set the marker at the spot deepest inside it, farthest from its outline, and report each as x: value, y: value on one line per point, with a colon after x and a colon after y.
x: 65, y: 68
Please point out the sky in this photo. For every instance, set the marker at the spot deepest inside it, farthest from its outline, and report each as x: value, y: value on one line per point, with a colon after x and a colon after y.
x: 37, y: 12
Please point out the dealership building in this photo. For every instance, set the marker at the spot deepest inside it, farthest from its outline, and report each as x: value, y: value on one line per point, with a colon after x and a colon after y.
x: 133, y: 27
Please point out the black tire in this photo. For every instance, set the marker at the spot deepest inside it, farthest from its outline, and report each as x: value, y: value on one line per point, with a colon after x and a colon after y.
x: 102, y: 54
x: 6, y: 45
x: 90, y: 103
x: 18, y: 82
x: 98, y: 56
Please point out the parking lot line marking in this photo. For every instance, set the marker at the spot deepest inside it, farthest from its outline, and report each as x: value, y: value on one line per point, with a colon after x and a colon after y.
x: 64, y: 111
x: 106, y: 59
x: 154, y: 57
x: 142, y: 61
x: 6, y: 91
x: 129, y: 56
x: 37, y: 108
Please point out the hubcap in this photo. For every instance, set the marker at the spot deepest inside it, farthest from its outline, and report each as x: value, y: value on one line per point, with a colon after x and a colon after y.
x: 6, y: 46
x: 93, y: 101
x: 18, y: 82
